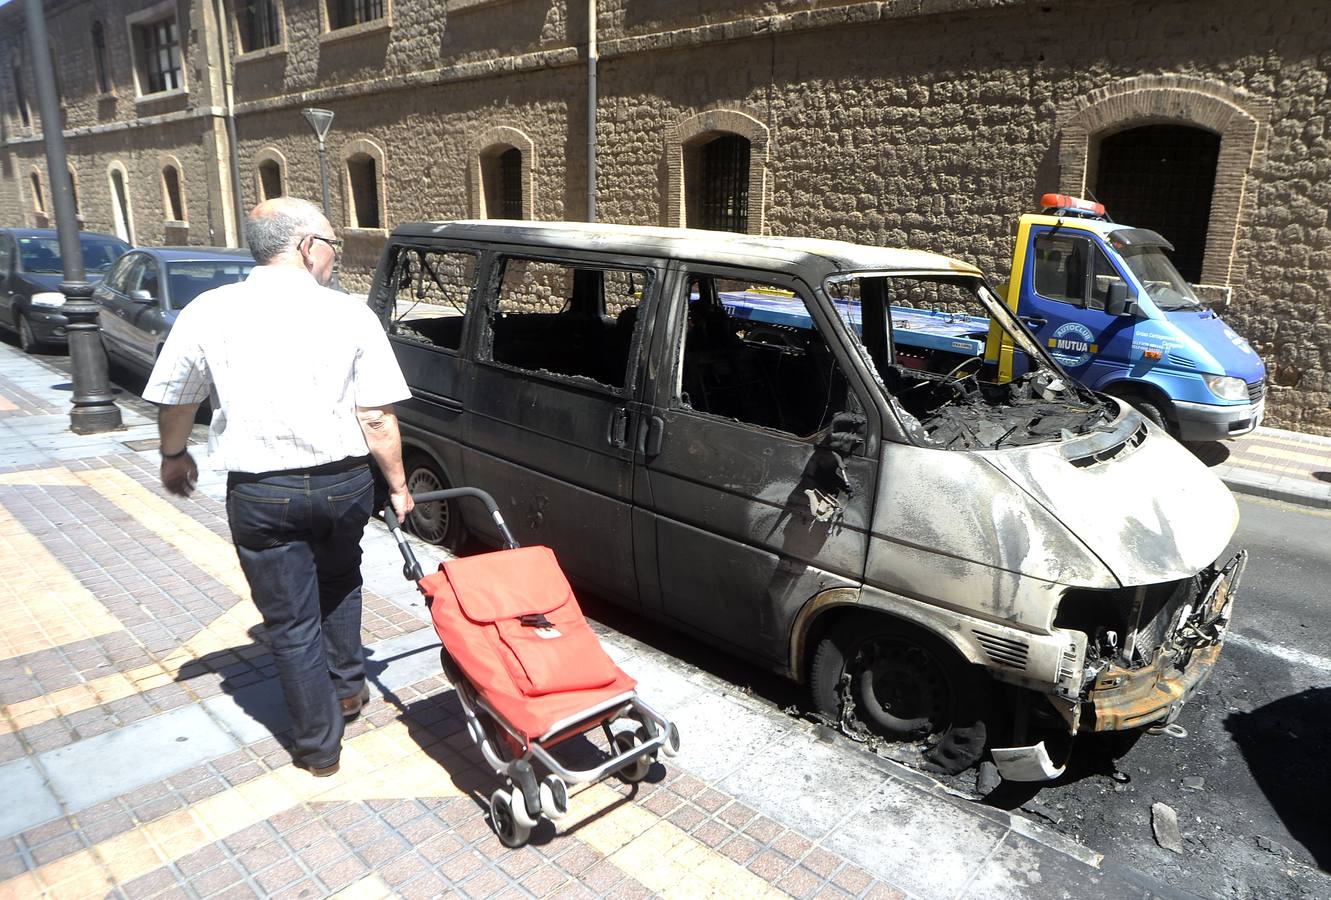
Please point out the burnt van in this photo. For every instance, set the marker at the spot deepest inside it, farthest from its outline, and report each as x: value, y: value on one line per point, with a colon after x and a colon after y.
x: 850, y: 464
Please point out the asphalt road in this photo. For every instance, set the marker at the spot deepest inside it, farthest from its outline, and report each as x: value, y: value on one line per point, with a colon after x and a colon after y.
x: 1258, y: 824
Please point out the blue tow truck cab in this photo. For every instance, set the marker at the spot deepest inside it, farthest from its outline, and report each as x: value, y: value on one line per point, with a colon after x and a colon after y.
x: 1113, y: 310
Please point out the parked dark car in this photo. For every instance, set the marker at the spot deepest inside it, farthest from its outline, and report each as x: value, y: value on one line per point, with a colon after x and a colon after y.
x: 30, y: 275
x: 147, y: 287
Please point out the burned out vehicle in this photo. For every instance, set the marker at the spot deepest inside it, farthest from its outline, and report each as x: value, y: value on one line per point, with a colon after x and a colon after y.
x: 850, y: 464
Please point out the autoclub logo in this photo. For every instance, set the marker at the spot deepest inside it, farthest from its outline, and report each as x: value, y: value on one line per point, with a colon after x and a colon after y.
x: 1072, y: 344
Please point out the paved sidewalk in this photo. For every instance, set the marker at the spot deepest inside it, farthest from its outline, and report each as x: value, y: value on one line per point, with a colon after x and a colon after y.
x: 142, y: 736
x: 1270, y: 462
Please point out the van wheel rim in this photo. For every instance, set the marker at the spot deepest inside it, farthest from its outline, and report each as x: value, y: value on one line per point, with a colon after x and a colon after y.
x: 900, y: 689
x: 427, y: 520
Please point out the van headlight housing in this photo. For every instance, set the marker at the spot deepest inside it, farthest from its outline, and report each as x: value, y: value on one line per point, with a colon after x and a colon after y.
x: 1227, y: 387
x: 48, y: 298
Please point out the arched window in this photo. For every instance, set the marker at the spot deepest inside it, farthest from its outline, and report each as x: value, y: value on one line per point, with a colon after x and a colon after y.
x: 364, y: 177
x: 716, y: 170
x: 121, y: 210
x: 270, y: 179
x: 173, y: 196
x: 38, y: 201
x: 501, y: 177
x: 99, y: 58
x: 1162, y: 177
x: 21, y: 99
x: 363, y: 185
x: 716, y: 181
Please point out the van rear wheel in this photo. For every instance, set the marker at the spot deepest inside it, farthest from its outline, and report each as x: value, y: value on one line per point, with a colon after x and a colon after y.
x: 437, y: 522
x: 897, y: 682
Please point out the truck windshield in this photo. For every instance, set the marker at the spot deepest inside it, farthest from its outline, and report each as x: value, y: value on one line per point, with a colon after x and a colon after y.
x: 1162, y: 281
x: 960, y: 369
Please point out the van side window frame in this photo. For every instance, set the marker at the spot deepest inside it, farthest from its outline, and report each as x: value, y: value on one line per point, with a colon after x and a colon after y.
x: 822, y: 326
x: 383, y: 299
x: 1083, y: 246
x: 651, y: 271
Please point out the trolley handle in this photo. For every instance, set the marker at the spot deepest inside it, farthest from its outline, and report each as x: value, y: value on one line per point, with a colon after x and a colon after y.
x: 411, y: 569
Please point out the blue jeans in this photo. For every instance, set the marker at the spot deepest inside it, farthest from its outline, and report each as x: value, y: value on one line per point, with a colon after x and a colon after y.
x: 298, y: 538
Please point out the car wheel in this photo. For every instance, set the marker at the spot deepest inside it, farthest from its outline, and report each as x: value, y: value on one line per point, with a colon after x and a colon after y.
x: 27, y: 338
x: 438, y: 522
x: 1152, y: 411
x: 871, y: 674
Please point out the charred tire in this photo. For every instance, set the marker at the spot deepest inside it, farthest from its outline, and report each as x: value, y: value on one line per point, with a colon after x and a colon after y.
x: 439, y: 522
x: 905, y: 685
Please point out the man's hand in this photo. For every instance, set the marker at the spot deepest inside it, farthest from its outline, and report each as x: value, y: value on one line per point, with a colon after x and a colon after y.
x: 402, y: 503
x: 180, y: 475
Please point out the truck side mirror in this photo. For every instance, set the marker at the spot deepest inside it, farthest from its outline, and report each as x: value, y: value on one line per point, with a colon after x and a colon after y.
x: 1118, y: 303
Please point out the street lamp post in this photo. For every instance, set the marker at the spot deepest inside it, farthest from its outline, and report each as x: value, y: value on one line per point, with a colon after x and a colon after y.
x: 321, y: 120
x: 94, y: 409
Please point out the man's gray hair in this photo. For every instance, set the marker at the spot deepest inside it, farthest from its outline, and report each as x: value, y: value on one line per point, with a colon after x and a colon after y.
x: 276, y: 233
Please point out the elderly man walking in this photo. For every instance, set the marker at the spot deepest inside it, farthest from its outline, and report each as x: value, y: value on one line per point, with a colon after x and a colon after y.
x: 303, y: 382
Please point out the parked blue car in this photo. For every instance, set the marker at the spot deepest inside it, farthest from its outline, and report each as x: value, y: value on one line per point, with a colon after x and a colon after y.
x: 146, y: 289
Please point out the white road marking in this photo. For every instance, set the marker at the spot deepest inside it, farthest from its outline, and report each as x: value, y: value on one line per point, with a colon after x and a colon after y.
x: 1288, y: 654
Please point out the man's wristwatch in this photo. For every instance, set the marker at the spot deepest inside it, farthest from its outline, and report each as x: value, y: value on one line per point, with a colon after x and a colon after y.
x: 182, y: 452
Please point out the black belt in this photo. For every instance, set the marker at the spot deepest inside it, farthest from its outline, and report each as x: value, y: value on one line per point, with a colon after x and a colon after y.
x: 329, y: 468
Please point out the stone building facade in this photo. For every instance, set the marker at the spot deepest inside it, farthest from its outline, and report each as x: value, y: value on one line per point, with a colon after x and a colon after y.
x: 931, y: 124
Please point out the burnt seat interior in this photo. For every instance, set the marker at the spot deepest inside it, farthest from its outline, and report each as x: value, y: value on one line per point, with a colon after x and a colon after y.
x: 578, y: 341
x: 443, y: 331
x: 771, y: 376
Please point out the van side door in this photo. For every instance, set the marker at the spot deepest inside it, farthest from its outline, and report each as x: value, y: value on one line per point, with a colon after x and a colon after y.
x: 1063, y: 301
x: 760, y: 461
x: 550, y: 408
x: 423, y: 293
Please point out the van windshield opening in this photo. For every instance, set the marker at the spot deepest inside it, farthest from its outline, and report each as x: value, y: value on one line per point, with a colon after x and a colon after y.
x: 959, y: 368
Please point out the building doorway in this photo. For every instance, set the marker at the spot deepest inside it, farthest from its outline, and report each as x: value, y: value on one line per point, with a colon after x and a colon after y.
x: 1162, y: 177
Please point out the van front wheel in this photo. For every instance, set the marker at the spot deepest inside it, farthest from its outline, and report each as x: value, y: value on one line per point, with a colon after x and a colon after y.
x: 437, y: 522
x: 871, y: 674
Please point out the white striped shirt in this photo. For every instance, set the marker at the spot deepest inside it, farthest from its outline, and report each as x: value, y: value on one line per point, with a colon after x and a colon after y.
x: 288, y: 362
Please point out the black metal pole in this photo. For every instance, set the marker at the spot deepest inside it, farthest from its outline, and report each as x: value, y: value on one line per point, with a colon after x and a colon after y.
x: 94, y: 408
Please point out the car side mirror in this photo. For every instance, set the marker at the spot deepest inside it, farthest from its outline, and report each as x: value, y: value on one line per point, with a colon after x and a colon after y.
x: 138, y: 295
x: 1118, y: 303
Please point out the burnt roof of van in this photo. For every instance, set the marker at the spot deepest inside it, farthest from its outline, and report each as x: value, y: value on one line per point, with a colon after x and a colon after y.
x: 689, y: 243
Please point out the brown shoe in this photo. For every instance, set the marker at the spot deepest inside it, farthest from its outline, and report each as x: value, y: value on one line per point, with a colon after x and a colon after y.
x: 323, y: 771
x: 351, y: 706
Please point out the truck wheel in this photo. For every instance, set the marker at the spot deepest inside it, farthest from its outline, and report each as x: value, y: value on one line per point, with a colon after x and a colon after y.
x: 1153, y: 412
x: 438, y: 522
x: 901, y: 684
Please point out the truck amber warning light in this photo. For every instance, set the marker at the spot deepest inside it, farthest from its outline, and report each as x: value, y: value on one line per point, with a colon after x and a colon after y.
x: 1064, y: 201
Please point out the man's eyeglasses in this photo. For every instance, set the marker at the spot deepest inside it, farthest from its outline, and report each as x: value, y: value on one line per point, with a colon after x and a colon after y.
x: 335, y: 243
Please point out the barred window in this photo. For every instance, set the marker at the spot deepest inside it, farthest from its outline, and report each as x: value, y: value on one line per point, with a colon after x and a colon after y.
x: 723, y: 202
x: 270, y: 179
x: 159, y: 44
x: 174, y: 198
x: 99, y: 58
x: 364, y: 177
x: 501, y: 175
x: 258, y: 22
x: 21, y: 99
x: 345, y: 13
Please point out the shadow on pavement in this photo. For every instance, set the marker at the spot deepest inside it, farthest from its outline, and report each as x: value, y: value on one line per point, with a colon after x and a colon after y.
x: 1285, y: 746
x: 1322, y: 476
x: 1212, y: 453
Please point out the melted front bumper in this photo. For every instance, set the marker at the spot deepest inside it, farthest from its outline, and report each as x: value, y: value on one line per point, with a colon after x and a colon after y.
x: 1122, y: 699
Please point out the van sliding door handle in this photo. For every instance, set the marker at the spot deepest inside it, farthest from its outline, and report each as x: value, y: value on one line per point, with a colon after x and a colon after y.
x: 619, y: 427
x: 651, y: 445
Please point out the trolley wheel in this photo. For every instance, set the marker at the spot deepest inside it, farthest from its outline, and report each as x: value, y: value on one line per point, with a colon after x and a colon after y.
x: 627, y: 736
x: 503, y: 815
x: 554, y: 796
x: 438, y: 522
